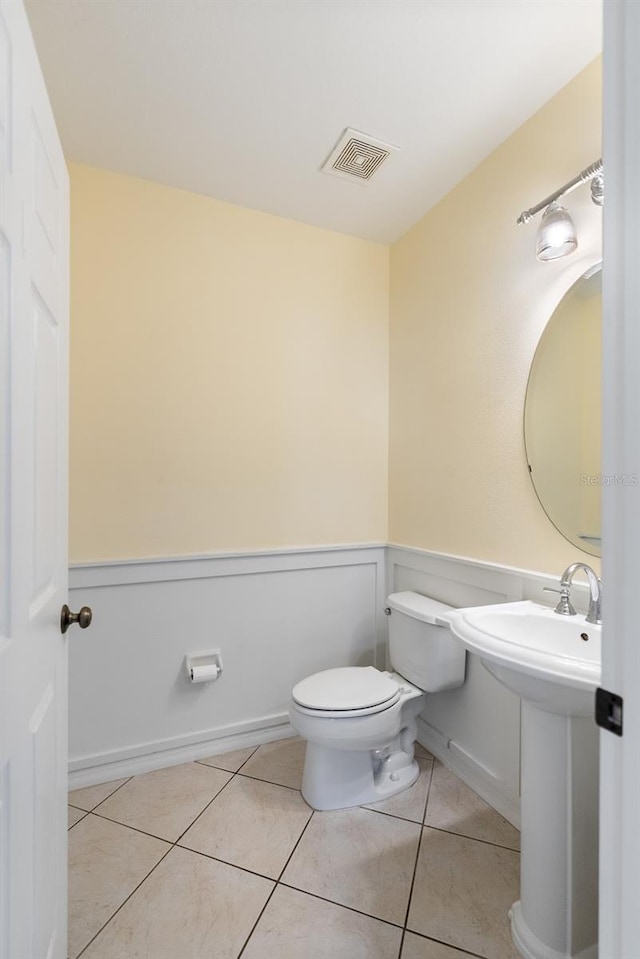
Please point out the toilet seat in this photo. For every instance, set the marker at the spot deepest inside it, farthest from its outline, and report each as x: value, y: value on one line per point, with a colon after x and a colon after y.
x: 346, y: 691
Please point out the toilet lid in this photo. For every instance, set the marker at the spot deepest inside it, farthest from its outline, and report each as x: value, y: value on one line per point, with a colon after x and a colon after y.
x: 347, y: 688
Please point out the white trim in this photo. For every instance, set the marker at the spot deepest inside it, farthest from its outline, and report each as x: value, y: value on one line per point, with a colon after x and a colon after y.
x: 114, y: 572
x: 173, y: 568
x: 229, y: 554
x: 620, y: 757
x: 510, y: 582
x: 469, y: 561
x: 471, y: 772
x: 118, y: 764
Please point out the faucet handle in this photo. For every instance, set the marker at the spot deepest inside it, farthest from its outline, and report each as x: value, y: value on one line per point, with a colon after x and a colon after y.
x: 564, y: 607
x: 594, y: 615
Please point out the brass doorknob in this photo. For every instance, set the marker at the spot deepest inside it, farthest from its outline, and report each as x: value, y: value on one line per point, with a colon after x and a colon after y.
x: 67, y: 618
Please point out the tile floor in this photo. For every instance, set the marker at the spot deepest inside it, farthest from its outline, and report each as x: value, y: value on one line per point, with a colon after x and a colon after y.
x: 222, y: 859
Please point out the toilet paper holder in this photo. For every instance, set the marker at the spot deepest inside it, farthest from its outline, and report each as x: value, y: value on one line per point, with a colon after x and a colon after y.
x: 204, y: 666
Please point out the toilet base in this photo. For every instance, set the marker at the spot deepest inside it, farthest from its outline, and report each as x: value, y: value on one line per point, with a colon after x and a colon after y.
x: 336, y: 779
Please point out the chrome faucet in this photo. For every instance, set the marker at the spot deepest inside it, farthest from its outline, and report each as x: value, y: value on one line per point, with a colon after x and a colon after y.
x: 564, y: 607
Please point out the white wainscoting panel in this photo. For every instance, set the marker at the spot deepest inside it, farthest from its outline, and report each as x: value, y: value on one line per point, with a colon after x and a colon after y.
x: 276, y: 617
x: 475, y: 730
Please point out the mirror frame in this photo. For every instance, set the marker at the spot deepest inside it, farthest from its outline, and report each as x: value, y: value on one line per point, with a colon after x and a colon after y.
x: 584, y: 546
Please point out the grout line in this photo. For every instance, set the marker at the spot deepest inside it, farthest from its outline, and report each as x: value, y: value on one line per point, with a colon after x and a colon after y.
x: 389, y: 815
x: 485, y: 842
x: 133, y: 891
x: 225, y: 862
x: 202, y: 762
x: 452, y: 832
x: 404, y: 932
x: 415, y: 865
x: 270, y: 781
x: 428, y: 796
x: 413, y: 881
x: 83, y: 816
x: 286, y: 885
x: 251, y: 872
x: 204, y: 809
x: 142, y: 832
x: 172, y: 845
x: 441, y: 942
x: 290, y: 856
x: 277, y: 883
x: 341, y: 905
x: 248, y: 758
x: 260, y: 915
x: 429, y: 790
x: 112, y: 793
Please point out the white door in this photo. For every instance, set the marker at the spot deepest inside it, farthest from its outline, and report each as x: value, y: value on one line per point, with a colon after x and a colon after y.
x: 34, y: 325
x: 620, y: 755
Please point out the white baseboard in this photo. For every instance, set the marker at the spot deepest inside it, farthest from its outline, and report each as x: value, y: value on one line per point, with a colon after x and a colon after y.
x: 470, y: 771
x: 118, y: 764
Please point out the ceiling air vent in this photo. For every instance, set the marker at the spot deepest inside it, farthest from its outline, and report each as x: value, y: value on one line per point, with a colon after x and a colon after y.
x: 356, y: 156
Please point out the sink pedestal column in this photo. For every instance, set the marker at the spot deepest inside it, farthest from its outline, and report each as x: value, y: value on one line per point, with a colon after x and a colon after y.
x: 556, y: 916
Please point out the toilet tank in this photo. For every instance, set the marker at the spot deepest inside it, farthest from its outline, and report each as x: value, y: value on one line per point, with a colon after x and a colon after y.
x: 421, y: 650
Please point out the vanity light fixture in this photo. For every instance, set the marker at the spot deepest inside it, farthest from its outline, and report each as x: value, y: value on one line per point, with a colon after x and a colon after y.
x: 557, y: 235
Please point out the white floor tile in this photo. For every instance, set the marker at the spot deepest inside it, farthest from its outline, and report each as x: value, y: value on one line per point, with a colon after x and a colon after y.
x: 238, y: 817
x: 106, y: 863
x: 252, y: 824
x: 297, y: 926
x: 74, y: 816
x: 89, y: 797
x: 280, y: 762
x: 462, y: 893
x: 230, y: 761
x: 358, y: 858
x: 190, y: 907
x: 166, y: 801
x: 456, y: 808
x: 415, y: 947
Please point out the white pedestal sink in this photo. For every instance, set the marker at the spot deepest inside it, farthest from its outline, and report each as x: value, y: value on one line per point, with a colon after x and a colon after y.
x: 553, y: 663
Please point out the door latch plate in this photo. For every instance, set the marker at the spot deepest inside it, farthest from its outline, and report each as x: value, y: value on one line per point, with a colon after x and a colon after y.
x: 609, y: 711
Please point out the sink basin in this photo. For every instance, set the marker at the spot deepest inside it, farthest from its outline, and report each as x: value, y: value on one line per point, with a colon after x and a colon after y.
x: 553, y: 661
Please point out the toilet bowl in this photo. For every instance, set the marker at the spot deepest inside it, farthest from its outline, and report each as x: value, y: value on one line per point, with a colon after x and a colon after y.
x: 360, y: 754
x: 360, y: 722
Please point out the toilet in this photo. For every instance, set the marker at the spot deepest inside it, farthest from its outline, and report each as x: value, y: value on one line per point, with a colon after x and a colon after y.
x: 360, y: 722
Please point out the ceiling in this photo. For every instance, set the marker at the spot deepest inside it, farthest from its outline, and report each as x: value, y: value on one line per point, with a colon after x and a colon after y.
x: 243, y: 100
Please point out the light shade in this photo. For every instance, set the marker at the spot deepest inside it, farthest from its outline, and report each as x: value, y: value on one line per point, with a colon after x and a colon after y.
x: 597, y: 189
x: 557, y: 234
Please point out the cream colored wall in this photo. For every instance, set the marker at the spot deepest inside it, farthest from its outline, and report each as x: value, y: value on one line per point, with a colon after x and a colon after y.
x: 229, y: 380
x: 229, y: 384
x: 468, y: 303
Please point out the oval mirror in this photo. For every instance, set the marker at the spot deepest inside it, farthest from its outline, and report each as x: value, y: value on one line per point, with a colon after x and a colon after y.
x: 562, y: 414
